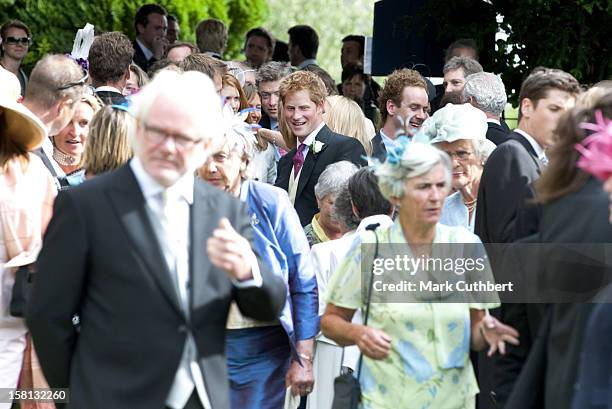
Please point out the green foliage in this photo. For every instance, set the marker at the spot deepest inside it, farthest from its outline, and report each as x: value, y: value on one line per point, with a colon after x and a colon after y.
x: 332, y: 19
x: 54, y: 23
x: 573, y: 36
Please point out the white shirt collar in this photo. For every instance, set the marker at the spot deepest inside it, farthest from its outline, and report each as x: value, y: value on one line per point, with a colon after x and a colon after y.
x: 107, y: 88
x: 151, y: 188
x: 494, y: 121
x: 145, y: 50
x: 311, y: 138
x: 388, y: 142
x: 534, y: 144
x: 307, y: 62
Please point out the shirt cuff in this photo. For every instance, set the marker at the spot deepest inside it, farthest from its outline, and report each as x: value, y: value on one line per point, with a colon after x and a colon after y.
x: 256, y: 281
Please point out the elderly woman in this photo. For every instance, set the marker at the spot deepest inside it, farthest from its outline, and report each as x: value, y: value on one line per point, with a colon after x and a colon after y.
x: 412, y: 352
x: 359, y: 205
x: 108, y: 146
x: 69, y: 144
x: 460, y: 131
x: 264, y: 357
x: 331, y: 182
x: 27, y: 192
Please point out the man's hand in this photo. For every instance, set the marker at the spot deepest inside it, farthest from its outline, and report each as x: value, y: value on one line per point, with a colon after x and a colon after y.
x: 373, y: 343
x: 300, y: 378
x: 159, y: 47
x: 231, y: 252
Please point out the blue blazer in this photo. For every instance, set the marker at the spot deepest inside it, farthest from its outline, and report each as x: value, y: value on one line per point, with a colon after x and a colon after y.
x: 282, y: 245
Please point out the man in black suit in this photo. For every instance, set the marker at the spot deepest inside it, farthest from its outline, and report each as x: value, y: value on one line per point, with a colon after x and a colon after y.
x: 110, y: 57
x: 151, y: 24
x: 303, y: 96
x: 506, y: 186
x: 303, y: 46
x: 403, y: 98
x: 486, y: 92
x: 150, y: 259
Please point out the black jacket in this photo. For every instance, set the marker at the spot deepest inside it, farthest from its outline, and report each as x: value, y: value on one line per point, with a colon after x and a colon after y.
x: 335, y: 149
x: 101, y: 260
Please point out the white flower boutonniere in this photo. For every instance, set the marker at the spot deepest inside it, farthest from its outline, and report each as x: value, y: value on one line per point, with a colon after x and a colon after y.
x: 316, y: 147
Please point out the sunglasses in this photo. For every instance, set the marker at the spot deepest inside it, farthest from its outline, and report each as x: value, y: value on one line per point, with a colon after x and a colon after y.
x: 80, y: 82
x: 18, y: 40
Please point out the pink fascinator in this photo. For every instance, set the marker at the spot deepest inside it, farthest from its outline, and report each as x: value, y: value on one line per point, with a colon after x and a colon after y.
x: 596, y: 150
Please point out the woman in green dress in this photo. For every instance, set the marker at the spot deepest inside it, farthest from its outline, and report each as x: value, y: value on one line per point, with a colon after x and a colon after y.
x: 416, y: 354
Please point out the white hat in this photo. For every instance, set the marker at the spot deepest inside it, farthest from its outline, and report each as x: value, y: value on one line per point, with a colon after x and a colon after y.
x: 17, y: 122
x: 454, y: 122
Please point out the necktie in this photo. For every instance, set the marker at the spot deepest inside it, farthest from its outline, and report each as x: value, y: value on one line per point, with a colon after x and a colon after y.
x: 298, y: 159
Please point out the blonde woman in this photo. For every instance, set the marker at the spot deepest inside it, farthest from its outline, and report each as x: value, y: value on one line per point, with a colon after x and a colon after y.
x: 344, y: 116
x: 69, y: 144
x: 108, y: 147
x: 138, y: 79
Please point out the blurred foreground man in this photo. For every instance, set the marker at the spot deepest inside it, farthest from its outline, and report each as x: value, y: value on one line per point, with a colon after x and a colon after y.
x: 149, y: 258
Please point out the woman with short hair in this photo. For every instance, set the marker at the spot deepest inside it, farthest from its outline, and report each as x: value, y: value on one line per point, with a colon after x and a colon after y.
x: 266, y: 357
x: 460, y: 131
x: 415, y: 349
x: 332, y: 181
x: 69, y: 144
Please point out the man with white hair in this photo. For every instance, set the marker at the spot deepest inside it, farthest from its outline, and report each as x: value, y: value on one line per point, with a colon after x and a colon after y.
x: 149, y: 258
x: 486, y: 92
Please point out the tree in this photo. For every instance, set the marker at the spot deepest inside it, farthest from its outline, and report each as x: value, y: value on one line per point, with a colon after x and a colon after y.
x: 54, y: 23
x: 332, y: 19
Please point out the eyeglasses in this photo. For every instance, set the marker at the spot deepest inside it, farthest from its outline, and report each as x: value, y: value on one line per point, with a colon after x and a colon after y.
x: 18, y: 40
x: 157, y: 136
x: 80, y: 82
x: 460, y: 155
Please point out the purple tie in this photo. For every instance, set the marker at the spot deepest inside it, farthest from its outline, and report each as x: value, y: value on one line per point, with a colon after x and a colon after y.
x: 298, y: 159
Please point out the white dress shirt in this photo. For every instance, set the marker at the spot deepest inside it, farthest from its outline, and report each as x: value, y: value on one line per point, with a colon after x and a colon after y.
x: 535, y: 145
x: 169, y: 213
x: 145, y: 50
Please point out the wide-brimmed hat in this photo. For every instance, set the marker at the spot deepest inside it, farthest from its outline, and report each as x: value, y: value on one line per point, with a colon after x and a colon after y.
x: 17, y: 122
x: 454, y: 122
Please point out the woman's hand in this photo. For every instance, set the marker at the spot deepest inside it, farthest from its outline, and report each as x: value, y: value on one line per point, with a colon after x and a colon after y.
x: 373, y: 343
x: 496, y: 334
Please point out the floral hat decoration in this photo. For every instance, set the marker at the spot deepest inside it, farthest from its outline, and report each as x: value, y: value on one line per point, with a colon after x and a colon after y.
x: 596, y: 149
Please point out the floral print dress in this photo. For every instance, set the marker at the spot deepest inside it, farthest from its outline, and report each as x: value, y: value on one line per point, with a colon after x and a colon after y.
x: 429, y: 365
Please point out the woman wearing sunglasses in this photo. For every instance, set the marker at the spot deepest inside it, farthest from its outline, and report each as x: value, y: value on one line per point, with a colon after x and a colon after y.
x: 16, y: 40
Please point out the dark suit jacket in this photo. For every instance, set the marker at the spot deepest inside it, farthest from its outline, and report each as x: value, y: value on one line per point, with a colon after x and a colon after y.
x: 504, y: 184
x: 496, y: 133
x: 101, y: 260
x: 378, y: 148
x: 553, y: 364
x: 337, y: 148
x: 264, y: 122
x: 111, y: 98
x: 140, y: 59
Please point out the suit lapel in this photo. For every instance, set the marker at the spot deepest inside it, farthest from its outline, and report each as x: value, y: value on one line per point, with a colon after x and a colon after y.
x: 129, y: 204
x: 523, y: 141
x: 310, y: 161
x: 202, y: 226
x: 284, y: 170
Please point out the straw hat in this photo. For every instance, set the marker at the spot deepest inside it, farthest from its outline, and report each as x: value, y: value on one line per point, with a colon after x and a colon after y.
x: 17, y: 122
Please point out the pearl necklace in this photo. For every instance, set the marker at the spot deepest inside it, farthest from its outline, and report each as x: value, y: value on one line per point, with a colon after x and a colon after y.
x: 63, y: 158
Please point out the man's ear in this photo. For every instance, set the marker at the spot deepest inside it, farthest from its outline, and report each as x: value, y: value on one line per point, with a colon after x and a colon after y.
x: 64, y: 105
x: 527, y: 107
x: 139, y: 28
x: 390, y: 107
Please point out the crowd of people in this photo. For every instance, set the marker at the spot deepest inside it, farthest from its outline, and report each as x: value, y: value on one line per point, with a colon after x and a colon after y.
x: 182, y: 231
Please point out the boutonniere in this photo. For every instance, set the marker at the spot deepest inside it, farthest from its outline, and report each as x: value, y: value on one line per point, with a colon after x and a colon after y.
x: 316, y: 147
